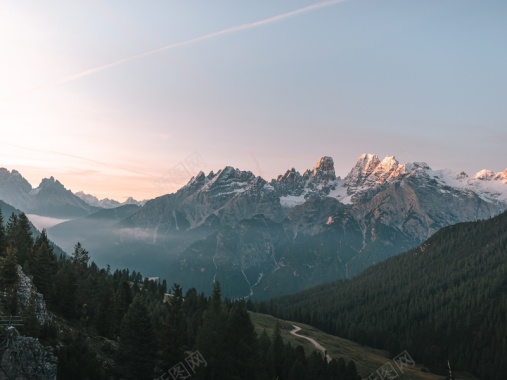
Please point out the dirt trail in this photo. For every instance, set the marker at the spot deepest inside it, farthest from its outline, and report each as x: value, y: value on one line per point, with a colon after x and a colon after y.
x: 316, y: 344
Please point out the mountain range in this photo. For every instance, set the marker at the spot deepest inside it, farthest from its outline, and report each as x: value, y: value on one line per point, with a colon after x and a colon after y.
x: 444, y: 301
x: 263, y: 238
x: 50, y: 198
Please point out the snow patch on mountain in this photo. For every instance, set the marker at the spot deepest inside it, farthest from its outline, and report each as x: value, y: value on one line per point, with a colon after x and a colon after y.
x: 488, y: 185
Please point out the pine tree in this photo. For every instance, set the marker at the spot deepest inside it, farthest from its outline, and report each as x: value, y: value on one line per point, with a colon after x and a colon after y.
x: 9, y: 273
x: 66, y: 287
x: 122, y: 300
x: 174, y: 330
x: 19, y: 234
x: 42, y: 268
x: 211, y: 336
x: 136, y: 352
x: 80, y: 257
x: 32, y: 326
x: 8, y: 281
x: 106, y: 314
x: 241, y: 344
x: 3, y: 236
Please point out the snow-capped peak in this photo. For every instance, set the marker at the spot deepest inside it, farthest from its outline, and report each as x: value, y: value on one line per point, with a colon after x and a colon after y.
x: 366, y: 164
x: 484, y: 174
x: 501, y: 176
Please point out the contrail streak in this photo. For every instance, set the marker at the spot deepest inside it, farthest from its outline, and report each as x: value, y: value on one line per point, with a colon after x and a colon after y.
x: 234, y: 29
x: 77, y: 157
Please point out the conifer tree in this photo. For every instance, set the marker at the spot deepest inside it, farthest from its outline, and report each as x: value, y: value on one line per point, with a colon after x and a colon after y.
x: 241, y: 344
x: 3, y: 237
x: 106, y: 313
x: 136, y: 352
x: 19, y: 234
x: 42, y: 266
x: 9, y: 273
x: 80, y: 257
x: 174, y: 330
x: 211, y: 336
x: 122, y: 300
x: 8, y: 281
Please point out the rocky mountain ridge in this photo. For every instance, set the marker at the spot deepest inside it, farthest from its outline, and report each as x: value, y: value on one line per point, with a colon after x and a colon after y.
x: 381, y: 208
x: 332, y: 227
x: 106, y: 202
x: 50, y: 198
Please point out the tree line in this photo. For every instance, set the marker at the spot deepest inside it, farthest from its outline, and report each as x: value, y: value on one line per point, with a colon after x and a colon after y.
x: 145, y: 329
x: 443, y: 301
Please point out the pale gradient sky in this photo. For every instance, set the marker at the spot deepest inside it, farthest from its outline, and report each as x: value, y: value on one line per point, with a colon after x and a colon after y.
x: 127, y: 98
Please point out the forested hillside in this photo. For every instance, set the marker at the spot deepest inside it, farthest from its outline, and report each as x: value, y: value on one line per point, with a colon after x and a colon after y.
x: 120, y: 325
x: 445, y: 300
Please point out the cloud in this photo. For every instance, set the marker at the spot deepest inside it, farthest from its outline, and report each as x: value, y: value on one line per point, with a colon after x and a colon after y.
x: 234, y: 29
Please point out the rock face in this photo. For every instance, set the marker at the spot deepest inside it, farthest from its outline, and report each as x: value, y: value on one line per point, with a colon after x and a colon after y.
x: 27, y: 294
x: 24, y: 358
x: 223, y: 198
x: 316, y: 182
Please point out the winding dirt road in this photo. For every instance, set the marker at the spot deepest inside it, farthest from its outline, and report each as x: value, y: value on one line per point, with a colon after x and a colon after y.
x: 315, y: 344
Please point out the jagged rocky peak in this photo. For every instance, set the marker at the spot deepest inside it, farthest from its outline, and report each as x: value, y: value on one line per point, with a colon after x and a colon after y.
x: 231, y: 174
x: 501, y: 176
x: 201, y: 177
x: 324, y: 169
x: 387, y: 168
x: 366, y: 164
x: 229, y: 180
x: 370, y: 172
x: 317, y: 181
x: 14, y: 180
x: 488, y: 175
x: 485, y: 174
x: 290, y: 176
x: 51, y: 183
x: 290, y: 183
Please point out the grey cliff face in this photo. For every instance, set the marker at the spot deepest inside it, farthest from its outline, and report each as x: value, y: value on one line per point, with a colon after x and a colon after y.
x: 24, y: 357
x: 27, y: 294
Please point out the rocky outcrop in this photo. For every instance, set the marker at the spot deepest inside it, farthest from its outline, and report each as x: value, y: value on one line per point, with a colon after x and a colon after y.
x: 23, y: 358
x: 27, y: 293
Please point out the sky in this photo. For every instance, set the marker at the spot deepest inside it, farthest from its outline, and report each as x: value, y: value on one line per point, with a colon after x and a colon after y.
x: 124, y: 98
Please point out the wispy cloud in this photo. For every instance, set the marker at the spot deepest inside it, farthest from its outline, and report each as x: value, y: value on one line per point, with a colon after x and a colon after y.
x: 234, y: 29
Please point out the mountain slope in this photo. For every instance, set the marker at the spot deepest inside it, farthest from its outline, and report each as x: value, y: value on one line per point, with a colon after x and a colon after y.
x: 333, y: 227
x: 446, y: 299
x: 50, y: 198
x: 338, y: 227
x: 367, y: 359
